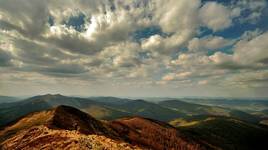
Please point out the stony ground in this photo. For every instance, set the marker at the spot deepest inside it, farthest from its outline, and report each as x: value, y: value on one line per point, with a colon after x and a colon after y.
x: 41, y: 137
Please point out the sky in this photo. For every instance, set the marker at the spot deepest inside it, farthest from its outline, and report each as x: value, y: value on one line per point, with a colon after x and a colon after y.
x: 149, y: 48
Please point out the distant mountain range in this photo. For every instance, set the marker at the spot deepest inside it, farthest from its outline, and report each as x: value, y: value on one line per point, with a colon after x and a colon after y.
x: 247, y: 105
x: 109, y: 108
x: 7, y: 99
x: 65, y: 127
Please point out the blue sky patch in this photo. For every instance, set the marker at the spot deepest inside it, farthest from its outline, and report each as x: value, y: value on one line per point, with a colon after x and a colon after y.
x: 145, y: 33
x: 77, y: 22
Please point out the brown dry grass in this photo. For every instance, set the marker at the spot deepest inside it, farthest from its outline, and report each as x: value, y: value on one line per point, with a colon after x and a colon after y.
x: 155, y: 135
x: 41, y: 137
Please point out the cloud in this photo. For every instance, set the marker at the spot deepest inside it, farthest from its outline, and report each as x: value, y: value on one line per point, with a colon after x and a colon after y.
x: 177, y: 16
x: 64, y: 69
x: 177, y: 76
x: 252, y: 51
x: 143, y: 44
x: 250, y: 10
x: 208, y: 43
x: 215, y: 16
x: 73, y: 41
x: 248, y: 35
x: 122, y: 55
x: 27, y: 17
x: 191, y: 60
x: 203, y: 82
x: 247, y: 54
x: 154, y: 43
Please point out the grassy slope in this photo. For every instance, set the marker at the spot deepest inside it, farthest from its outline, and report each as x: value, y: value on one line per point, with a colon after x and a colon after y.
x: 227, y: 133
x: 149, y: 110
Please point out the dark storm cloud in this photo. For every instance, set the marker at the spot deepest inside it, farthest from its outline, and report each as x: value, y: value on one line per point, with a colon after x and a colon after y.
x: 64, y: 69
x: 76, y: 44
x: 8, y: 26
x: 5, y: 58
x: 236, y: 66
x: 33, y: 53
x: 31, y: 15
x: 45, y: 59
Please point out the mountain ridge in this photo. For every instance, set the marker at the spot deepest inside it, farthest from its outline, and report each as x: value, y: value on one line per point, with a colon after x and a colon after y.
x: 65, y: 120
x: 67, y: 126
